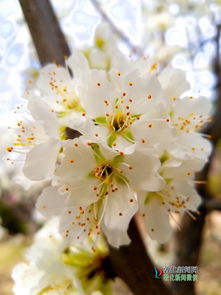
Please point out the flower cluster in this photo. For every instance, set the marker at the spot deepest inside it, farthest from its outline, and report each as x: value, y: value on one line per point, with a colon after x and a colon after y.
x: 52, y: 267
x: 113, y: 142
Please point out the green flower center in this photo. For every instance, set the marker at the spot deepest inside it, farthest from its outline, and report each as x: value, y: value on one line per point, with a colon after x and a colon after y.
x: 104, y: 171
x: 118, y: 126
x: 107, y: 172
x: 119, y: 122
x: 92, y: 268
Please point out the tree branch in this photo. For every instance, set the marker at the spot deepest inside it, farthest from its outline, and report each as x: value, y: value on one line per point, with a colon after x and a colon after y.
x: 133, y: 265
x: 211, y: 205
x: 47, y: 36
x: 117, y: 31
x: 188, y: 242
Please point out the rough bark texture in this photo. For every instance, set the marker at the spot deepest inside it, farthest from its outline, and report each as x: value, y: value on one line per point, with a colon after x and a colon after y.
x: 133, y: 265
x: 188, y: 246
x: 47, y: 36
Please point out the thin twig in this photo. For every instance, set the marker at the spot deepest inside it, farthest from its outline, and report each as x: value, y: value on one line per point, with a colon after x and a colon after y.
x: 134, y: 49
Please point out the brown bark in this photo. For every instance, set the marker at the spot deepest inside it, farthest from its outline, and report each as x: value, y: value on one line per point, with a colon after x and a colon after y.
x: 47, y: 36
x: 188, y: 242
x: 132, y: 264
x: 188, y: 246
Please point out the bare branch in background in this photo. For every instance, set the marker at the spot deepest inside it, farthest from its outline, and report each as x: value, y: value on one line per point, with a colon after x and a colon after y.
x: 47, y: 36
x: 189, y: 241
x: 214, y: 128
x: 118, y: 32
x: 213, y: 205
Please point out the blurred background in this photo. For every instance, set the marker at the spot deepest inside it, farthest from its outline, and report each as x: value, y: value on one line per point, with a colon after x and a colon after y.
x: 184, y: 33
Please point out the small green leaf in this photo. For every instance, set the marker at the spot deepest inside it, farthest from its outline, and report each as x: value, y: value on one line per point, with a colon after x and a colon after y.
x: 168, y: 180
x: 121, y: 178
x: 128, y: 136
x: 62, y: 114
x: 103, y: 190
x: 78, y: 258
x: 108, y: 64
x: 75, y: 105
x: 63, y: 135
x: 91, y: 174
x: 135, y: 116
x: 35, y: 74
x: 97, y: 153
x: 111, y: 139
x: 116, y: 100
x: 150, y: 196
x: 99, y: 43
x: 165, y: 156
x: 171, y: 113
x: 117, y: 160
x: 101, y: 120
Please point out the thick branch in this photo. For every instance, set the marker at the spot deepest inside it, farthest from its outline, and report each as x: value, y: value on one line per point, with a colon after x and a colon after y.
x: 188, y: 246
x: 47, y: 36
x: 133, y: 265
x: 212, y: 205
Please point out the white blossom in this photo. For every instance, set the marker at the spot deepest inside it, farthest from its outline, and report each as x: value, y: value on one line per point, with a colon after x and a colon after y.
x: 137, y: 126
x: 98, y: 187
x: 176, y: 197
x: 53, y: 267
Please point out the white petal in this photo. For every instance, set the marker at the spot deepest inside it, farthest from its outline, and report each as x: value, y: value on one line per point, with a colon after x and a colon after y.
x: 156, y: 220
x: 173, y: 82
x: 41, y: 112
x: 40, y: 161
x: 98, y: 90
x: 76, y: 223
x: 51, y: 73
x: 99, y: 59
x: 77, y: 163
x: 27, y: 279
x: 185, y: 189
x: 50, y: 202
x: 191, y: 146
x: 83, y: 193
x: 179, y: 169
x: 120, y: 208
x: 186, y: 106
x: 79, y: 67
x: 90, y: 129
x: 142, y: 171
x: 138, y: 88
x: 152, y: 134
x: 116, y: 238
